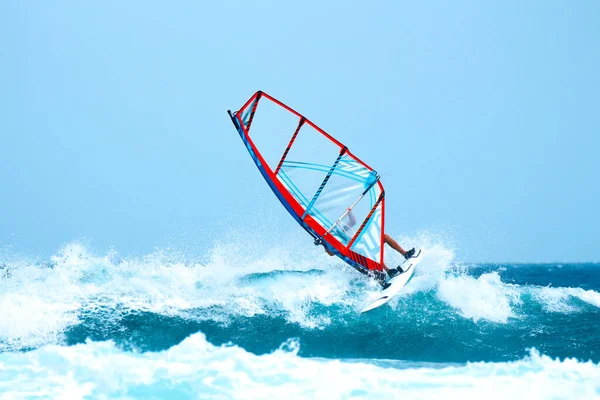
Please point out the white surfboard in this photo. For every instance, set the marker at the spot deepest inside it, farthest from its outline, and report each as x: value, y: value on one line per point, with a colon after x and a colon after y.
x: 397, y: 282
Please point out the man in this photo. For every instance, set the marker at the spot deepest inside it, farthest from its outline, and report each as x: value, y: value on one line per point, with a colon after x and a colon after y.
x: 380, y: 277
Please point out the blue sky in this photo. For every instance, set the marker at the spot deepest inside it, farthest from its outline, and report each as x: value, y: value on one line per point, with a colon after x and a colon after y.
x: 482, y: 118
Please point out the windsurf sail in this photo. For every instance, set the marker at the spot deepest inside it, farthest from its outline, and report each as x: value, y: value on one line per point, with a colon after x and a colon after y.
x: 336, y: 197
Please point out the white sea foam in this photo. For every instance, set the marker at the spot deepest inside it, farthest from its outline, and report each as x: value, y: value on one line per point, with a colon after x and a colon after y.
x: 38, y: 302
x: 488, y: 298
x: 561, y: 299
x: 197, y: 369
x: 553, y: 299
x: 241, y: 276
x: 588, y: 296
x: 483, y: 298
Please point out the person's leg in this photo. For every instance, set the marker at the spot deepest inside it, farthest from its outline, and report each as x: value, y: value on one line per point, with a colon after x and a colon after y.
x: 380, y: 278
x: 393, y: 244
x: 390, y: 271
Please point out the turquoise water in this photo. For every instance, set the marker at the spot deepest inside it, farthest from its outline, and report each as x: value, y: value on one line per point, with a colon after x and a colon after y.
x: 285, y: 321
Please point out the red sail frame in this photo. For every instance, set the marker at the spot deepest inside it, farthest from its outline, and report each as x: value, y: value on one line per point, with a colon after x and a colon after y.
x: 292, y: 205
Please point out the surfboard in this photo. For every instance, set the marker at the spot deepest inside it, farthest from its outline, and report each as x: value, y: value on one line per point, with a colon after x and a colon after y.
x: 397, y: 282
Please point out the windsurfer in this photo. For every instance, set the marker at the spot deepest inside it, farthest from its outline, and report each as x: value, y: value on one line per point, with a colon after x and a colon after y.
x: 388, y: 240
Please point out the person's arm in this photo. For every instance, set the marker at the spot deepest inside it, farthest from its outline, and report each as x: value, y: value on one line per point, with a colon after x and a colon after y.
x: 351, y: 219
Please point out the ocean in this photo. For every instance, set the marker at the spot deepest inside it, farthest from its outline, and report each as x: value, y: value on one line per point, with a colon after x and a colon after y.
x: 248, y: 319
